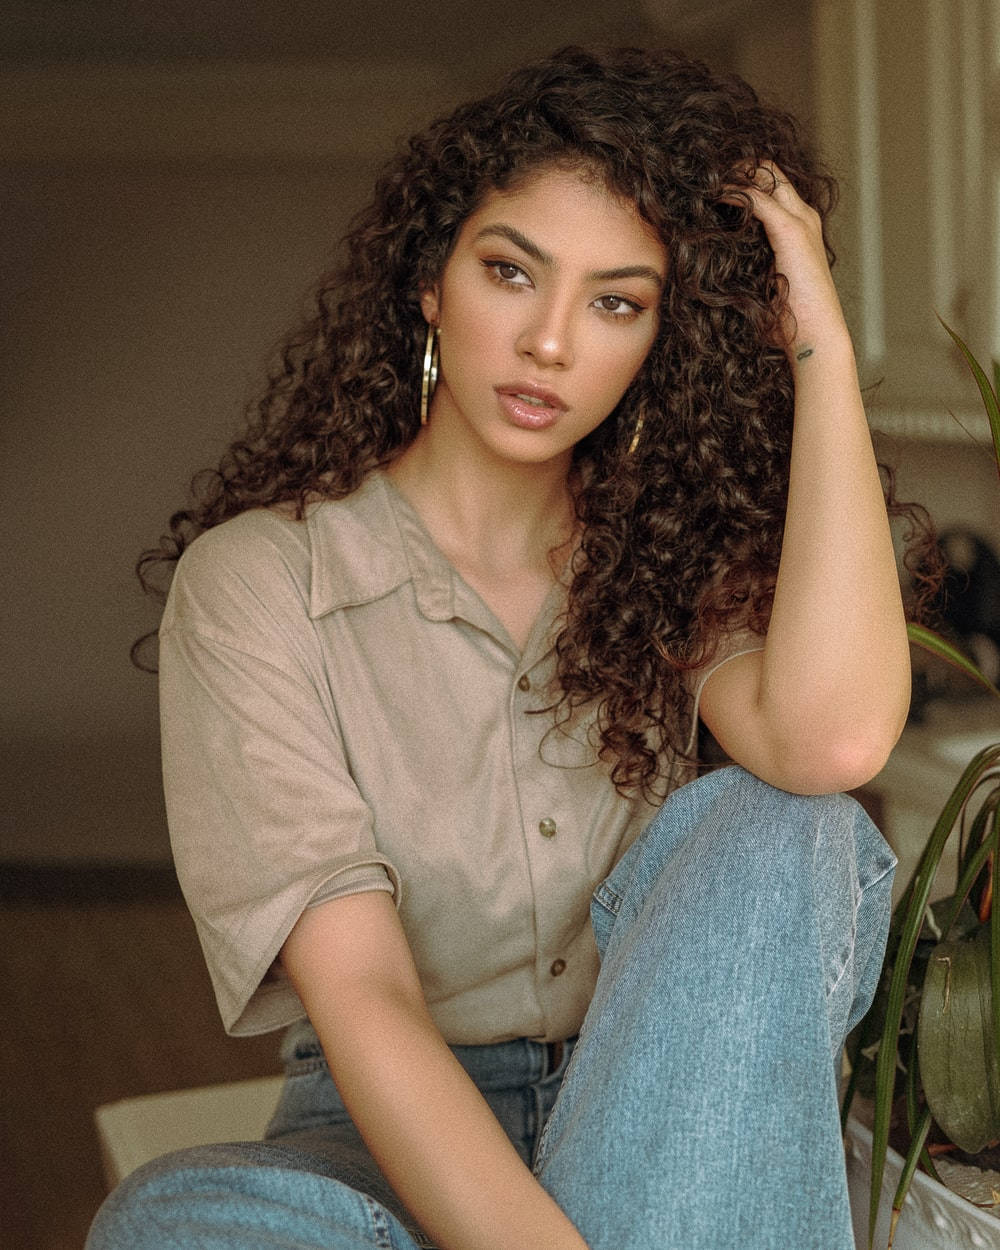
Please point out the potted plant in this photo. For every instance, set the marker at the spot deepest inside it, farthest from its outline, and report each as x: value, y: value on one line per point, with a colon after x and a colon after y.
x: 929, y: 1048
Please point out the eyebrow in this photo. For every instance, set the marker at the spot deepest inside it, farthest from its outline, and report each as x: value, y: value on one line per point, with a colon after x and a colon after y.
x: 513, y: 235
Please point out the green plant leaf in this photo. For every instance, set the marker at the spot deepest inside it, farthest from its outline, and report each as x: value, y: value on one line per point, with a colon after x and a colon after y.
x: 953, y: 916
x: 959, y: 1067
x: 995, y: 938
x: 971, y: 869
x: 976, y: 834
x: 914, y: 906
x: 913, y: 1155
x: 919, y: 1123
x: 941, y: 647
x: 909, y: 914
x: 989, y: 394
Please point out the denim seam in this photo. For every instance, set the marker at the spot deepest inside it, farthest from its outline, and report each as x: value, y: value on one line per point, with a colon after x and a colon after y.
x: 380, y: 1225
x: 541, y: 1142
x: 831, y: 989
x: 881, y: 876
x: 848, y: 963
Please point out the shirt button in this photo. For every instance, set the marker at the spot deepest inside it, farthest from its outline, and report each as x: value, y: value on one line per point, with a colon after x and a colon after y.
x: 558, y: 967
x: 524, y: 682
x: 547, y: 827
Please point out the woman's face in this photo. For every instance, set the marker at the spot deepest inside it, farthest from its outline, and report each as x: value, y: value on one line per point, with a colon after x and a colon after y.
x: 548, y: 306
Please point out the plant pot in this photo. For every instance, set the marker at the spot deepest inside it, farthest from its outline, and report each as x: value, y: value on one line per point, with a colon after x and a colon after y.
x: 933, y: 1218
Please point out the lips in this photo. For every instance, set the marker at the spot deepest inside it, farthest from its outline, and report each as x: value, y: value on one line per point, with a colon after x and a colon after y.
x: 530, y: 406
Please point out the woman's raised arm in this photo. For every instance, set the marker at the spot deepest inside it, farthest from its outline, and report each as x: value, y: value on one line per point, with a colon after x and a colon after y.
x: 821, y: 706
x: 424, y: 1121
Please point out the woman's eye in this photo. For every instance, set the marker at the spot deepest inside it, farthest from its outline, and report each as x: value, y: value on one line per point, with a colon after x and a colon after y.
x: 507, y: 273
x: 618, y: 306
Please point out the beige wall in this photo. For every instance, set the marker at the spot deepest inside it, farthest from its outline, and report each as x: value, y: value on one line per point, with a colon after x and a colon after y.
x: 141, y: 306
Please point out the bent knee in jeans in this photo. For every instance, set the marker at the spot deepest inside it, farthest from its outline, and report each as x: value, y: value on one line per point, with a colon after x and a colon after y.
x: 235, y: 1195
x: 764, y: 867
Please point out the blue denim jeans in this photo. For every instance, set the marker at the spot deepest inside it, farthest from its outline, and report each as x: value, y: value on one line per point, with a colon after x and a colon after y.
x: 741, y: 938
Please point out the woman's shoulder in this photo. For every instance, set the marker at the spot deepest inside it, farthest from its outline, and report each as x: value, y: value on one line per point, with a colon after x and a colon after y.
x: 258, y: 544
x: 237, y: 574
x: 270, y: 558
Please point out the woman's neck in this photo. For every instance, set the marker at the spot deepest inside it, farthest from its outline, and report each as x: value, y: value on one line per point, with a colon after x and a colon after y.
x: 507, y: 528
x: 488, y: 513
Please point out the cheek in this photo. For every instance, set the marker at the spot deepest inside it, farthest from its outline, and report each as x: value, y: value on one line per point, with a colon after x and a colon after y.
x: 465, y: 344
x: 627, y: 362
x: 648, y: 346
x: 477, y: 331
x: 470, y: 345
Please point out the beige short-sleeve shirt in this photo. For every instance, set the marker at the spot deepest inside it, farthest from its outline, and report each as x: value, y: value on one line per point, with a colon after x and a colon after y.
x: 340, y: 709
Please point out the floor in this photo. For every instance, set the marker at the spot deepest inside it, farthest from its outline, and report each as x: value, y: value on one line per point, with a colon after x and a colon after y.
x: 103, y: 994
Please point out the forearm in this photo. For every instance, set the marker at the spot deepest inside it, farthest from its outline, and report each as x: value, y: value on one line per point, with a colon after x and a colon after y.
x: 836, y: 661
x: 425, y: 1122
x: 821, y: 706
x: 438, y: 1142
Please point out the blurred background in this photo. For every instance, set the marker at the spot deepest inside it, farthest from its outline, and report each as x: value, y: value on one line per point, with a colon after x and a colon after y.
x: 174, y: 176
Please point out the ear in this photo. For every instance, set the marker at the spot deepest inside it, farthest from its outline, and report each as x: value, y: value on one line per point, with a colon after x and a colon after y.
x: 430, y: 305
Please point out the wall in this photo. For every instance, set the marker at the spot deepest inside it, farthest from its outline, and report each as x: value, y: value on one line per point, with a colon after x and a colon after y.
x: 141, y: 305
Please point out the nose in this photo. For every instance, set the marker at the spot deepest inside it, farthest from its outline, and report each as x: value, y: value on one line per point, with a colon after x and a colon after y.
x: 547, y: 337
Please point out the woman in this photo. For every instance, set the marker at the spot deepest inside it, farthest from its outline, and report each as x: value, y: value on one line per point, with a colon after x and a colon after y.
x: 573, y: 445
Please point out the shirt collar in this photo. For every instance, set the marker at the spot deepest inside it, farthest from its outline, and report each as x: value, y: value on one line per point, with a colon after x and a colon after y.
x: 371, y: 542
x: 356, y: 555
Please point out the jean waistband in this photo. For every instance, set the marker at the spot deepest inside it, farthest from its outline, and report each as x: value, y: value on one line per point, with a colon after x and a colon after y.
x: 495, y: 1065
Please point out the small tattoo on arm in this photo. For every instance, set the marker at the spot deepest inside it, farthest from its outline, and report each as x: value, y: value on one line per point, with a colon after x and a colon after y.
x: 804, y: 354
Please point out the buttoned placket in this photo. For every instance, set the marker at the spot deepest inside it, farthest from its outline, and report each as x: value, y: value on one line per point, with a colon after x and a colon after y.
x: 539, y: 819
x: 443, y: 594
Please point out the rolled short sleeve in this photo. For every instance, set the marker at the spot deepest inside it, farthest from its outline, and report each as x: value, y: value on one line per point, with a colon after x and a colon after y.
x: 262, y: 809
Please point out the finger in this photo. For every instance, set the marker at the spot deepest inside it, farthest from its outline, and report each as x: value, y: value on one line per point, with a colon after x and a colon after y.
x: 767, y: 175
x: 781, y: 194
x: 767, y: 178
x: 763, y: 180
x: 762, y: 203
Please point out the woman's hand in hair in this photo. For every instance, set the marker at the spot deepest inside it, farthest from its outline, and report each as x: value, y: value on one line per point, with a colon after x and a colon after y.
x: 794, y: 229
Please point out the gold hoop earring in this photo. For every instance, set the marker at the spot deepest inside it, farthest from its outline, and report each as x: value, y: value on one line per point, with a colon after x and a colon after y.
x: 430, y: 373
x: 635, y: 435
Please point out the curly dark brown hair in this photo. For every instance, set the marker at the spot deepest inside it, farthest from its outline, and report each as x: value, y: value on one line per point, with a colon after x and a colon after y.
x: 681, y: 538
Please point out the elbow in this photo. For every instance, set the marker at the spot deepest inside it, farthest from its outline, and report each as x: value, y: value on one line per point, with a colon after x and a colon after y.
x: 844, y: 761
x: 855, y: 762
x: 844, y: 747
